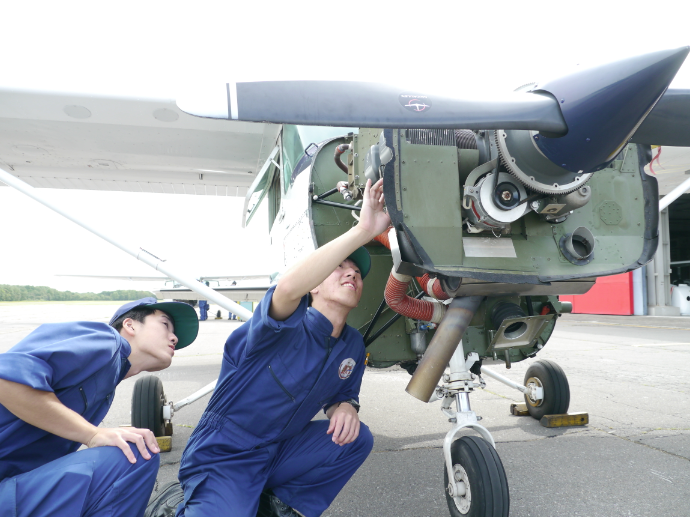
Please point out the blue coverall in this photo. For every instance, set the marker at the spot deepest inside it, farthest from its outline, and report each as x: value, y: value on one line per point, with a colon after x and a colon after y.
x: 257, y: 433
x: 203, y: 310
x: 40, y: 473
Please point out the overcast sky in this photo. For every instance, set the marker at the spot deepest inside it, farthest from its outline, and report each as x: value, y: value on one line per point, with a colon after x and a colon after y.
x: 150, y: 48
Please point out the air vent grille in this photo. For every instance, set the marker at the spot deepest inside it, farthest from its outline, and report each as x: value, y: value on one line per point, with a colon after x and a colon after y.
x: 430, y: 136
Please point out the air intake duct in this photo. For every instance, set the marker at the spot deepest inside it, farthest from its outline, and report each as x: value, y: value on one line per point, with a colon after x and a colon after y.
x: 506, y: 310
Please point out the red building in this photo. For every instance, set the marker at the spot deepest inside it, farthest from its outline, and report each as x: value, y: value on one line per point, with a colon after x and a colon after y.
x: 610, y: 295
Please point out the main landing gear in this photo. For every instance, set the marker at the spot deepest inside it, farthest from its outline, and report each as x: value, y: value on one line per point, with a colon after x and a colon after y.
x: 148, y: 401
x: 475, y: 480
x: 151, y: 409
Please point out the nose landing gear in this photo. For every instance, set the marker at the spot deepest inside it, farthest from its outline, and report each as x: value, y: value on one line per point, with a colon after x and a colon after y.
x: 476, y: 483
x: 474, y: 477
x: 480, y: 487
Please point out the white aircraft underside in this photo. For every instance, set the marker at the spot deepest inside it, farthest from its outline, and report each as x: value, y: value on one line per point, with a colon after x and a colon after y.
x: 237, y: 294
x: 57, y: 140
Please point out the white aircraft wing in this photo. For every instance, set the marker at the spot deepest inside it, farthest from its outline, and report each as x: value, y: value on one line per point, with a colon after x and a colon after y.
x: 122, y: 277
x: 78, y: 141
x: 236, y: 294
x: 229, y: 278
x: 236, y: 278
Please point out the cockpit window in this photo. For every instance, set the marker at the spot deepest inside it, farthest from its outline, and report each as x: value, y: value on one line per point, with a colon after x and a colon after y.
x: 293, y: 149
x: 302, y: 164
x: 259, y: 188
x: 298, y: 138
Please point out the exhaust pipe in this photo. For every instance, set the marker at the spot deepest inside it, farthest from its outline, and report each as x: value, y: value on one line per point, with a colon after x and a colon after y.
x: 446, y: 339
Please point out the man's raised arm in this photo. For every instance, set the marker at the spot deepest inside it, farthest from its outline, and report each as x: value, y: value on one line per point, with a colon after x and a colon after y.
x: 315, y: 268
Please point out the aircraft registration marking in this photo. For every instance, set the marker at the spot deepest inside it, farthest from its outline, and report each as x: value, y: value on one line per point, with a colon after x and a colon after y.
x: 488, y: 247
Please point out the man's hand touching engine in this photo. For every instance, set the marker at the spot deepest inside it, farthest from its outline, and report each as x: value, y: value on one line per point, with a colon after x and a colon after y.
x: 373, y: 219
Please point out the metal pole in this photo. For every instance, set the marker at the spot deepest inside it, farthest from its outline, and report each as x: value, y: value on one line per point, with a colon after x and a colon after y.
x: 504, y: 380
x: 674, y: 194
x: 665, y: 256
x: 638, y: 292
x: 650, y: 269
x: 139, y: 254
x: 195, y: 396
x: 659, y: 273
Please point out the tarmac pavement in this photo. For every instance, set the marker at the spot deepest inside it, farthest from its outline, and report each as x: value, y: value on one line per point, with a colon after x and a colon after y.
x: 631, y: 374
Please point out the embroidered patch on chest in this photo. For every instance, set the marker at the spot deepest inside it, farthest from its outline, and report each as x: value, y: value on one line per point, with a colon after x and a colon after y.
x: 346, y: 368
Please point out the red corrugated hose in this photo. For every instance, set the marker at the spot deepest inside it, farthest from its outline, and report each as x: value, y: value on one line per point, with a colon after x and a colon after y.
x: 397, y: 299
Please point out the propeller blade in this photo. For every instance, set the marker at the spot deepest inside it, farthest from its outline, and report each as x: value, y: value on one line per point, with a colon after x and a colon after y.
x: 603, y: 107
x: 668, y: 123
x: 359, y: 104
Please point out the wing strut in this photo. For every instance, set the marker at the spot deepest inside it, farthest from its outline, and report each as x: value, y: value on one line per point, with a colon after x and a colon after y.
x: 139, y: 254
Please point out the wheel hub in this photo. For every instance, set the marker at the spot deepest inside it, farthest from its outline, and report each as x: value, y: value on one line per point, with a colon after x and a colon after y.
x: 459, y: 489
x: 531, y: 385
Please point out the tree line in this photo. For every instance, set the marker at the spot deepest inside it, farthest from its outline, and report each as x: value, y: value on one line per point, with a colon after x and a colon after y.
x: 21, y: 293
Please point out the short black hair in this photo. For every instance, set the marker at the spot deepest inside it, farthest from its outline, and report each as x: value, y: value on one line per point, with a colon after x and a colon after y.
x: 137, y: 314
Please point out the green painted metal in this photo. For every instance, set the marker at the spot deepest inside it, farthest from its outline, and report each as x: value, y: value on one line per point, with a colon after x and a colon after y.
x: 393, y: 346
x: 429, y: 185
x: 430, y: 196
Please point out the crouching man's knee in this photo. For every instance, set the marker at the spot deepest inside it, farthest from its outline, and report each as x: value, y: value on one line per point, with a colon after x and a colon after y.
x: 365, y: 441
x: 114, y: 464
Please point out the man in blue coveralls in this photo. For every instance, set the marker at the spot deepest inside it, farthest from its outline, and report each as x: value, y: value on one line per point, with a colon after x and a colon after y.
x: 256, y: 442
x: 56, y: 386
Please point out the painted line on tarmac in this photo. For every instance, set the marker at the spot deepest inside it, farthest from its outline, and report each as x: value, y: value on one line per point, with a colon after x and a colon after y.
x: 663, y: 344
x: 631, y: 326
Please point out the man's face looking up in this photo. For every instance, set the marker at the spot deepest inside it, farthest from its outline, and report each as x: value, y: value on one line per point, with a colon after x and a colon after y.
x: 343, y: 286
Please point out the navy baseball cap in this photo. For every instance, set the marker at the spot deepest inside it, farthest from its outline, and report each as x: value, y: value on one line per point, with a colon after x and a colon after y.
x: 362, y: 258
x: 184, y: 317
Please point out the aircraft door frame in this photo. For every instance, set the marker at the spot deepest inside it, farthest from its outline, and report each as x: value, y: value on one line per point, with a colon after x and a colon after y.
x: 263, y: 180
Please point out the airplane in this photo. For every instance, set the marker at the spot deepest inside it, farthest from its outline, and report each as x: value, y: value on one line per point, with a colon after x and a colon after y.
x: 249, y: 288
x: 497, y: 207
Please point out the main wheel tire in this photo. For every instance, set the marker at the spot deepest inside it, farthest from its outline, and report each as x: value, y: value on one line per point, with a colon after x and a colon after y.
x: 148, y: 400
x: 549, y: 376
x: 477, y: 463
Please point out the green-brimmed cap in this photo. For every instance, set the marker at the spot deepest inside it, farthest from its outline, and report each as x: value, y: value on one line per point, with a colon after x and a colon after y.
x: 362, y: 258
x: 184, y: 317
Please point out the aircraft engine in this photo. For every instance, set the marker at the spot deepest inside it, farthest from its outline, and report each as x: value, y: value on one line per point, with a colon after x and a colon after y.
x: 522, y: 180
x: 497, y: 200
x: 523, y: 159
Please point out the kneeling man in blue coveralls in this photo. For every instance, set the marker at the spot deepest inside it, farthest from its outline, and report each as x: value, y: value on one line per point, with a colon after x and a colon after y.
x: 56, y: 386
x: 256, y: 441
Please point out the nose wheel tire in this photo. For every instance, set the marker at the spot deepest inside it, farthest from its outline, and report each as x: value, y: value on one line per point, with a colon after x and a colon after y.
x: 148, y: 399
x: 550, y: 377
x: 481, y: 486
